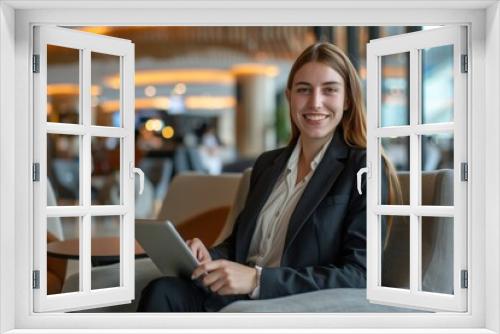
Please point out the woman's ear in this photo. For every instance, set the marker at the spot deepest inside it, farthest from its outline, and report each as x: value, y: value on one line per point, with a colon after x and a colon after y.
x: 287, y: 93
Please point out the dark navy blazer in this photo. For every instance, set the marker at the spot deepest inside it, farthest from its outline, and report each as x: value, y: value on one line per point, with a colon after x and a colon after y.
x: 325, y: 245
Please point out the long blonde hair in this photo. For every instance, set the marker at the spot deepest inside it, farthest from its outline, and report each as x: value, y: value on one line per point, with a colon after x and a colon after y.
x: 353, y: 120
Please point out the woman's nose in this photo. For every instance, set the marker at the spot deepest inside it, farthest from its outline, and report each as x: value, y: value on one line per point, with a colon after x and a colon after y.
x: 316, y: 99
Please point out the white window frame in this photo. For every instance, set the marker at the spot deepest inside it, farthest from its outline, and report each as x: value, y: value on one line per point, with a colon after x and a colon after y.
x: 16, y: 214
x: 456, y: 36
x: 85, y: 44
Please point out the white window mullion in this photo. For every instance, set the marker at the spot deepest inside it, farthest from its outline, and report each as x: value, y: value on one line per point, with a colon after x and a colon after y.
x: 414, y: 253
x: 415, y: 244
x: 414, y: 120
x: 107, y: 210
x: 419, y: 129
x: 102, y: 131
x: 406, y: 210
x: 86, y: 167
x: 85, y: 108
x: 124, y: 274
x: 96, y: 210
x: 66, y: 129
x: 85, y: 258
x: 65, y: 211
x: 393, y: 131
x: 429, y: 129
x: 78, y: 129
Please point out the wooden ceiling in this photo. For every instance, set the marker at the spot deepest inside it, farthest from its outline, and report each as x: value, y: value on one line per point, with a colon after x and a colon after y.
x: 257, y: 43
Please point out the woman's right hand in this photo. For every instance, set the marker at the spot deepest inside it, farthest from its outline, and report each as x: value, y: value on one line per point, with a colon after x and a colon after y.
x: 199, y: 250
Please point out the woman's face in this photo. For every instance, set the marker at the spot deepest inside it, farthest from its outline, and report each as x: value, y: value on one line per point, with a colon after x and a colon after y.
x: 317, y: 100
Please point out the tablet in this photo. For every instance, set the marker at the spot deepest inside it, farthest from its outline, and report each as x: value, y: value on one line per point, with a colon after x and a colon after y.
x: 165, y: 247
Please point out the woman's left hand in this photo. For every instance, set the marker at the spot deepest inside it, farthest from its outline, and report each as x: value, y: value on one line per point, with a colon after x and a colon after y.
x: 226, y: 277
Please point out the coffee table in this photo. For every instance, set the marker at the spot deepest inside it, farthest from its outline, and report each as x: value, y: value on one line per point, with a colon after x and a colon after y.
x: 104, y: 250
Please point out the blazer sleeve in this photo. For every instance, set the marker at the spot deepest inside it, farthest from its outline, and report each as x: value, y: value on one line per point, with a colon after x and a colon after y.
x: 224, y: 250
x: 348, y: 272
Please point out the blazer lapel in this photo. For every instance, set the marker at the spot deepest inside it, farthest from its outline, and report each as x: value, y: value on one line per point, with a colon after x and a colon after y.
x: 258, y: 198
x: 320, y: 184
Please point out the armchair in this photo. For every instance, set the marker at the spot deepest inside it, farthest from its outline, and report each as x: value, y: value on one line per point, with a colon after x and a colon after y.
x: 330, y: 300
x: 199, y: 205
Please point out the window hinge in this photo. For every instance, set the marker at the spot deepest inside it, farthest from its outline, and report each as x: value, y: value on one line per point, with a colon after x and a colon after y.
x: 464, y: 171
x: 36, y: 172
x: 36, y: 63
x: 465, y: 65
x: 36, y: 279
x: 464, y: 279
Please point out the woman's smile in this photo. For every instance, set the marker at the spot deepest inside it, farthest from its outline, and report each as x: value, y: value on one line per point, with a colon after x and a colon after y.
x: 315, y: 117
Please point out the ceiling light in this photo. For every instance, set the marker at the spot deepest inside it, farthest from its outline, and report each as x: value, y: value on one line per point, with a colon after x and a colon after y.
x: 70, y: 89
x: 180, y: 89
x: 174, y: 76
x: 168, y: 132
x: 210, y: 102
x: 162, y: 103
x: 150, y: 91
x: 255, y: 69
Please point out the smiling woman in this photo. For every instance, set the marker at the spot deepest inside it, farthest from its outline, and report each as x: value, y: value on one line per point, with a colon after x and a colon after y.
x: 290, y: 238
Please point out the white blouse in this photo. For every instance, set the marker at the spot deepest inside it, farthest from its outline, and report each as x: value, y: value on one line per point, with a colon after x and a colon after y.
x: 266, y: 247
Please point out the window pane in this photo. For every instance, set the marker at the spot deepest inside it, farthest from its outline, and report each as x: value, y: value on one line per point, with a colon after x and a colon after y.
x: 437, y: 84
x: 63, y: 84
x: 105, y: 250
x: 105, y: 90
x: 62, y: 256
x: 395, y: 241
x: 63, y: 169
x: 397, y: 152
x: 395, y: 85
x: 437, y: 254
x: 106, y: 158
x: 437, y: 169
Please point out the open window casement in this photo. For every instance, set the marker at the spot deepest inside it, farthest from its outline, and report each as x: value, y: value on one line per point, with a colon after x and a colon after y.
x: 417, y: 107
x: 68, y: 164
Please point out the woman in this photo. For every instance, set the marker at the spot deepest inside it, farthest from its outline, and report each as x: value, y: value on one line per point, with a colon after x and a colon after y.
x: 303, y: 227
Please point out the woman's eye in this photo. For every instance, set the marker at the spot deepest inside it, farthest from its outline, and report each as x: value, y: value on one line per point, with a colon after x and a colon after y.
x: 331, y: 90
x: 302, y: 90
